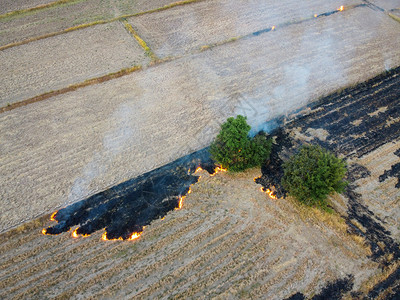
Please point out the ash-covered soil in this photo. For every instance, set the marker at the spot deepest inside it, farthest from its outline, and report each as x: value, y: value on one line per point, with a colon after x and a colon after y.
x: 362, y: 125
x: 230, y: 240
x: 127, y: 208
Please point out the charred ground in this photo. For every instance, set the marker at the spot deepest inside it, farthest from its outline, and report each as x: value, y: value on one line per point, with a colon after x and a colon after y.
x: 352, y: 123
x: 128, y: 207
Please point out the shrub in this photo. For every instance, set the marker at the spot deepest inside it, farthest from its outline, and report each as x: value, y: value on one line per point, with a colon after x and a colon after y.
x: 235, y: 150
x: 312, y: 174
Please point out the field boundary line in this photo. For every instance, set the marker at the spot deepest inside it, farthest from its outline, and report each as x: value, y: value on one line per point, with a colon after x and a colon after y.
x: 385, y: 11
x: 158, y: 61
x: 72, y: 87
x: 85, y: 25
x: 394, y: 17
x: 140, y: 41
x: 39, y: 7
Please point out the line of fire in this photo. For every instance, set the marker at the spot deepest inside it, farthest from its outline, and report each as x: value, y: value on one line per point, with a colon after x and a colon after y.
x: 124, y: 210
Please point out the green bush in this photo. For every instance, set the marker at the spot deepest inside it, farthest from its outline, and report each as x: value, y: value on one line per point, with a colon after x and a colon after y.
x: 235, y: 150
x: 312, y: 174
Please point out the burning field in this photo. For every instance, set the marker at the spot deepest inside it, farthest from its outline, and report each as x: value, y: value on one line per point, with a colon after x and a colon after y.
x: 107, y: 187
x: 230, y: 238
x: 124, y: 210
x: 98, y: 100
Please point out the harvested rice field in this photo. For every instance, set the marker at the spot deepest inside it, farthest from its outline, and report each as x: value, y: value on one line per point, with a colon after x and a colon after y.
x: 54, y: 63
x: 229, y: 239
x: 98, y: 97
x: 9, y: 6
x: 106, y: 133
x: 212, y: 22
x: 74, y: 13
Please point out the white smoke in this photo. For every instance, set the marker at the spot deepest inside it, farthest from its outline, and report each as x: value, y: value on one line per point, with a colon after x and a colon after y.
x: 114, y: 142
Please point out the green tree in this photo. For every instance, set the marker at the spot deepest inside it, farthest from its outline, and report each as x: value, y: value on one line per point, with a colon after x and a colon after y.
x: 235, y: 150
x: 312, y: 174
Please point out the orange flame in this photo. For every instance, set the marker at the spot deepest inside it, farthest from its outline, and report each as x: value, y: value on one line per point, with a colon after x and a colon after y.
x: 269, y: 192
x: 341, y: 8
x: 217, y: 170
x: 104, y: 238
x: 44, y: 231
x: 198, y: 170
x: 255, y: 178
x: 75, y: 234
x: 134, y: 236
x: 180, y: 204
x: 52, y: 216
x: 273, y: 27
x: 181, y: 198
x: 315, y: 15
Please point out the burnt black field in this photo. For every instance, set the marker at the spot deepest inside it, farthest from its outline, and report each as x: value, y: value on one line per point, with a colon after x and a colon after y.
x: 336, y: 114
x: 131, y: 205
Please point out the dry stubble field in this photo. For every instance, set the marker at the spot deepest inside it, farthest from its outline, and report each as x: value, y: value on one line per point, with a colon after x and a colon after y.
x: 229, y: 240
x: 72, y: 145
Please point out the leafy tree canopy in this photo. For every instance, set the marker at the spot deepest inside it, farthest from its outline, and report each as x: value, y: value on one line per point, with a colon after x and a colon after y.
x: 235, y: 150
x: 312, y: 174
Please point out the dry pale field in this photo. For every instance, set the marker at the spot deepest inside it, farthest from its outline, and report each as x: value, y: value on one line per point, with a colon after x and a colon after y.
x: 230, y: 240
x: 386, y: 4
x: 70, y: 146
x: 13, y: 5
x: 54, y: 63
x: 74, y: 13
x: 209, y: 22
